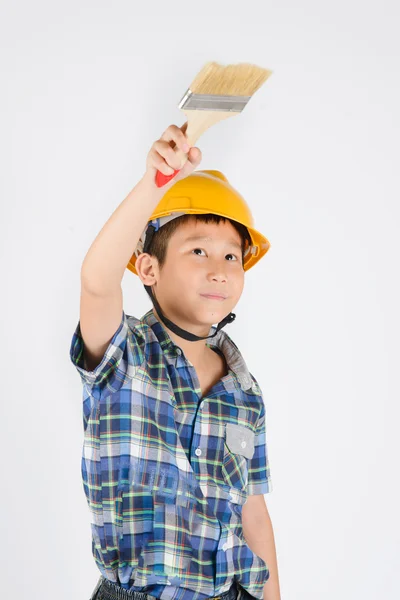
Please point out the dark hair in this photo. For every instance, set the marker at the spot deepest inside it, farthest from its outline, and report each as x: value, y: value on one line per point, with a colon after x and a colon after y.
x: 159, y: 243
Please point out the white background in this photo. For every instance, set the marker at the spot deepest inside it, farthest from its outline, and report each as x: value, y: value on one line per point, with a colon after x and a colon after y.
x: 86, y: 87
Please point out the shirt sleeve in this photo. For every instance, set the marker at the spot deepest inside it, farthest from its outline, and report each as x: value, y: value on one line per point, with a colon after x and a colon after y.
x: 118, y: 364
x: 259, y: 479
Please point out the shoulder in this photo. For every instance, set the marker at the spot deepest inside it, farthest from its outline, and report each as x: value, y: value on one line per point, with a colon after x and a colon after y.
x: 144, y: 340
x: 234, y: 350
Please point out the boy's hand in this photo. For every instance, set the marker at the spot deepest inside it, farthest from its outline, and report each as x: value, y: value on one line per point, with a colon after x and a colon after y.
x: 162, y: 155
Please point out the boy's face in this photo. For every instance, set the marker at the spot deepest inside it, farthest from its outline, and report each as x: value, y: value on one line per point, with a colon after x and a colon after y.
x: 192, y: 268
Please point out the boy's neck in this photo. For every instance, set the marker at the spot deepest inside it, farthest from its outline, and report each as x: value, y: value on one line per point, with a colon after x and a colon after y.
x: 198, y: 353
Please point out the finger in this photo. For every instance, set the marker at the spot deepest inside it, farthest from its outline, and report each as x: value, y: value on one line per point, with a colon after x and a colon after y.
x: 168, y: 153
x: 159, y: 163
x: 175, y: 134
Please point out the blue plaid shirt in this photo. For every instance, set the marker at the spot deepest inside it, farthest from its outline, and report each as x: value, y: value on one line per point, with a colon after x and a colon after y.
x: 167, y: 471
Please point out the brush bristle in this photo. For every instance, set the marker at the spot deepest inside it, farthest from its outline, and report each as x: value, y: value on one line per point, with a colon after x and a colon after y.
x: 242, y: 79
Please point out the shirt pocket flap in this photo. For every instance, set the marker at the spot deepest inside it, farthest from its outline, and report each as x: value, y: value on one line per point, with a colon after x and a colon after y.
x: 240, y: 439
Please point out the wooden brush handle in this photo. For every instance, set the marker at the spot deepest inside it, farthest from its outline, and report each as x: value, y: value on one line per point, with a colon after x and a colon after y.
x: 198, y: 122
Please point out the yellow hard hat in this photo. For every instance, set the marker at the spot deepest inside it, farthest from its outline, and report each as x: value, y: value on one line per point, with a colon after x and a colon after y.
x: 205, y: 192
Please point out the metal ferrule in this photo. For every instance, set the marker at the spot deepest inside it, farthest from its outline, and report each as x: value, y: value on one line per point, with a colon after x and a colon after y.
x: 191, y: 101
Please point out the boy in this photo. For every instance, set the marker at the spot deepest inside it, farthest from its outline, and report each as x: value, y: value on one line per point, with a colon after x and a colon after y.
x: 174, y: 463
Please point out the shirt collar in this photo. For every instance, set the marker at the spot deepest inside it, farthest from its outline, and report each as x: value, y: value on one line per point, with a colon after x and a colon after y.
x: 221, y: 340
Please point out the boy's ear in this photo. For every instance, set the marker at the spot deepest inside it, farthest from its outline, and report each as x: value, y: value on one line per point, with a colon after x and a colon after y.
x: 147, y: 268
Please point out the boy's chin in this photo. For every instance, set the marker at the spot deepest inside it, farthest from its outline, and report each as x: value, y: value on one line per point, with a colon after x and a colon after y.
x: 211, y: 316
x: 200, y: 314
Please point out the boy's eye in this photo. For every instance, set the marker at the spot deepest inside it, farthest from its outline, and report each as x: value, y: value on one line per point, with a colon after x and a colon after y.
x: 201, y: 250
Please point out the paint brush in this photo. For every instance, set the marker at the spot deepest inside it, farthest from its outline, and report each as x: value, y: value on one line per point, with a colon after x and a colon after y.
x: 217, y: 92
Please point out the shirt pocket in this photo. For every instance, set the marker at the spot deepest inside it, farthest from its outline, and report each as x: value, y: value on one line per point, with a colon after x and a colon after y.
x: 238, y: 450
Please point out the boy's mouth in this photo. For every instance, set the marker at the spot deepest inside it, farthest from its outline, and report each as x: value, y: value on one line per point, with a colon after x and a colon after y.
x: 214, y: 296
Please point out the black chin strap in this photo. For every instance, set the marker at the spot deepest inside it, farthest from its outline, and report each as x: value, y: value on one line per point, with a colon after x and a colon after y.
x: 182, y: 332
x: 172, y: 326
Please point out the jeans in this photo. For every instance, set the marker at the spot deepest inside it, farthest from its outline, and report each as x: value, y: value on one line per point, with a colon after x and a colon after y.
x: 108, y: 590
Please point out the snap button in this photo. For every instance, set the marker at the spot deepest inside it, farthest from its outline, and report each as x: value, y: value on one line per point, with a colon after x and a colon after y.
x: 243, y: 444
x: 197, y: 452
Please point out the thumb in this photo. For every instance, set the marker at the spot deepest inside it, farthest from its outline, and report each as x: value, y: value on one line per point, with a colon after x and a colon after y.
x: 194, y: 159
x: 195, y: 156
